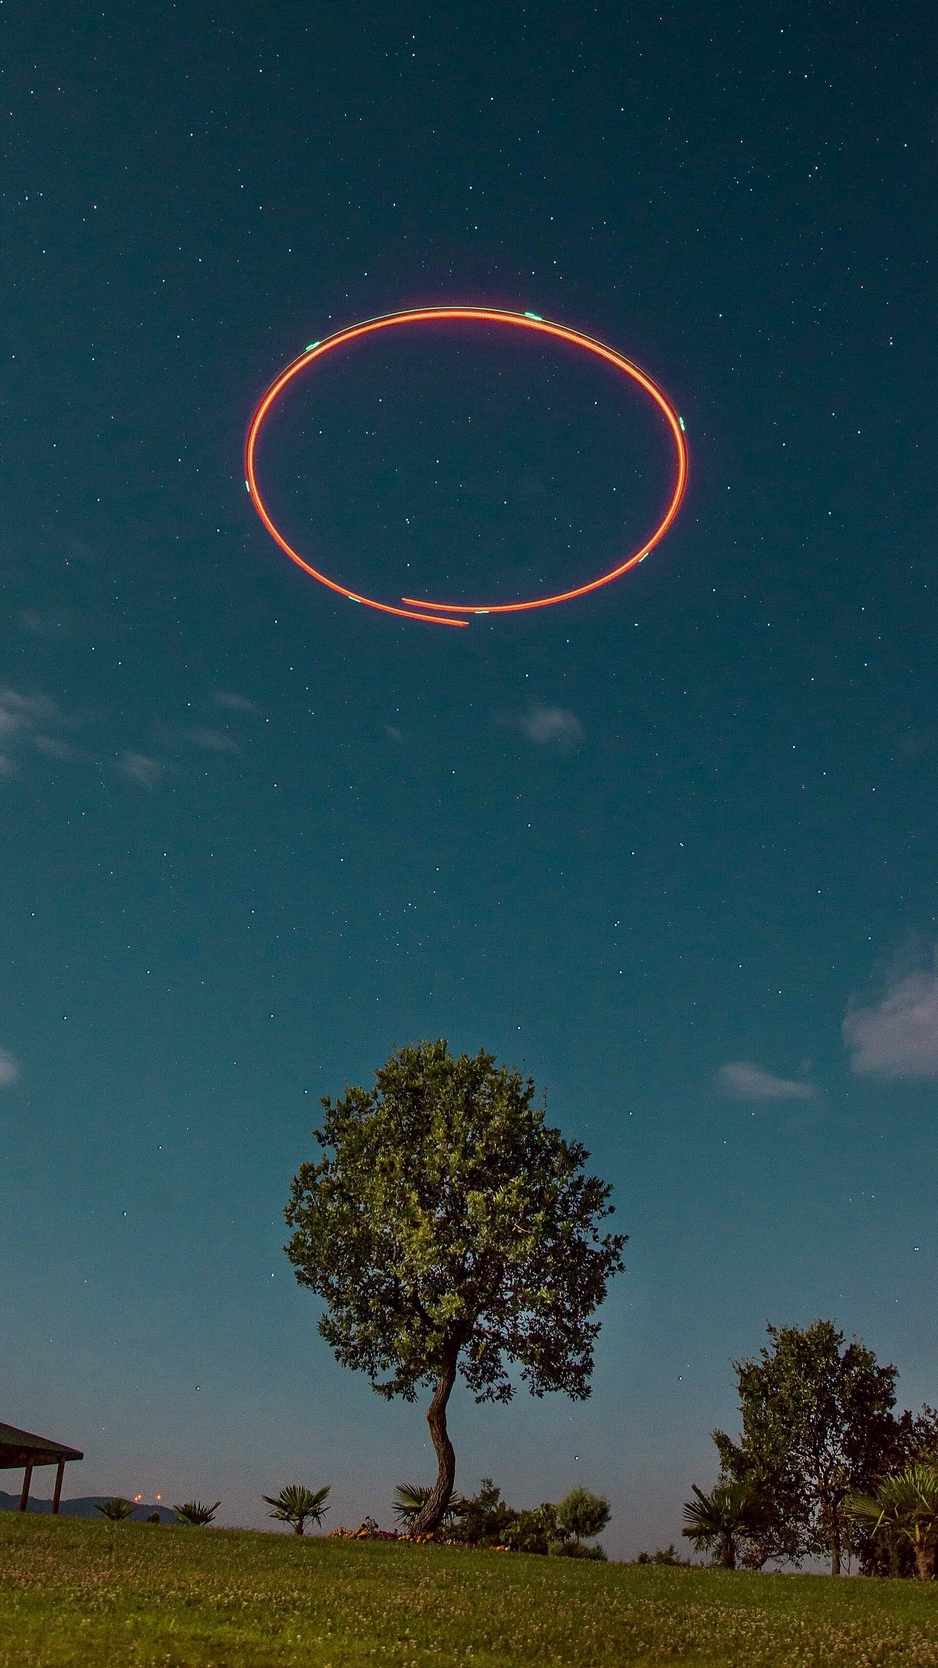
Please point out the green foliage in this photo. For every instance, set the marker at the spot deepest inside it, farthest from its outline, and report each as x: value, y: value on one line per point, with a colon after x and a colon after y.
x: 411, y: 1498
x: 154, y: 1517
x: 450, y: 1211
x: 576, y: 1549
x: 582, y: 1514
x: 117, y: 1510
x: 721, y: 1522
x: 195, y: 1514
x: 533, y: 1531
x: 817, y: 1425
x: 484, y: 1519
x: 668, y: 1556
x: 449, y: 1230
x: 904, y: 1509
x: 296, y: 1504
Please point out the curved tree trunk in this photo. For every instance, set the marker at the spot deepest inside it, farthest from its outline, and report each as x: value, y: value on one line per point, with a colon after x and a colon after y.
x: 430, y: 1517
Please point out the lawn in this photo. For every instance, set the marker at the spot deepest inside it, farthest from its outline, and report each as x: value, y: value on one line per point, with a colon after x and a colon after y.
x: 75, y: 1591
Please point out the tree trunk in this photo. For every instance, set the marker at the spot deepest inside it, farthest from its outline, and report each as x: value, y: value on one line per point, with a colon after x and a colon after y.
x: 925, y: 1562
x: 430, y: 1517
x: 835, y: 1547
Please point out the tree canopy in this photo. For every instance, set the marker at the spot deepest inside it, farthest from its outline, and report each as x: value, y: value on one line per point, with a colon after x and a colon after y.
x: 450, y: 1229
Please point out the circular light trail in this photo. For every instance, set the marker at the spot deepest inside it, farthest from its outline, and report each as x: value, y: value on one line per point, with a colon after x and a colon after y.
x: 446, y: 611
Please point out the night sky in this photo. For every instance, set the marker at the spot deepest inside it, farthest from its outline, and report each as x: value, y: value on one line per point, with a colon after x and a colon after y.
x: 671, y: 847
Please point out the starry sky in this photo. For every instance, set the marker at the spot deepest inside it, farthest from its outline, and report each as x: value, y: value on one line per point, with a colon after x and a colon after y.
x: 670, y: 848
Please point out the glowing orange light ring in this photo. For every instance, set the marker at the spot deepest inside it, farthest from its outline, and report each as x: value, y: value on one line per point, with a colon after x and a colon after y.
x: 488, y: 315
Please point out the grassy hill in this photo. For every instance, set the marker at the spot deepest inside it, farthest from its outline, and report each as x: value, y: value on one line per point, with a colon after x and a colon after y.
x: 74, y: 1591
x: 84, y: 1505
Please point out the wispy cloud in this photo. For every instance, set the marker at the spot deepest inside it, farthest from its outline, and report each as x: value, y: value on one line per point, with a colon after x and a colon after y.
x: 213, y: 741
x: 24, y: 721
x: 9, y: 1069
x: 140, y: 768
x: 234, y: 703
x: 551, y: 727
x: 898, y: 1037
x: 744, y: 1081
x: 56, y: 749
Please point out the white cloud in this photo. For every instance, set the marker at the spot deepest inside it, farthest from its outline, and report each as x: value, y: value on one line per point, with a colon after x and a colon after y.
x: 234, y: 703
x: 24, y: 721
x: 748, y: 1082
x: 55, y: 749
x: 9, y: 1069
x: 139, y: 768
x: 213, y: 741
x: 899, y: 1036
x: 551, y: 727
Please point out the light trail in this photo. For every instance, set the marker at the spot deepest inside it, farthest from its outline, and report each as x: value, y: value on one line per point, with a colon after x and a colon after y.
x: 446, y: 611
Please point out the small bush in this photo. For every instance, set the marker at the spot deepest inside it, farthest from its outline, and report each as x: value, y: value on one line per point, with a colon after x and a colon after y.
x: 117, y: 1510
x: 195, y: 1514
x: 668, y: 1555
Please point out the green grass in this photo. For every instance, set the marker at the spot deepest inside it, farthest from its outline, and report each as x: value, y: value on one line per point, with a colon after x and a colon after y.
x: 75, y: 1591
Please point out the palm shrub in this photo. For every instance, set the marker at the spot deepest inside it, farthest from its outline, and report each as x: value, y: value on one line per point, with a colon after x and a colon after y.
x: 195, y: 1514
x: 410, y: 1499
x: 905, y: 1509
x: 295, y: 1504
x: 721, y: 1521
x: 118, y: 1509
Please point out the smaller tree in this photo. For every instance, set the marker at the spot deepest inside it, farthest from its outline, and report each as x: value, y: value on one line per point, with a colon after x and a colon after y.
x: 118, y: 1509
x: 296, y: 1504
x: 818, y: 1424
x: 905, y: 1508
x: 582, y: 1516
x: 195, y: 1514
x: 723, y: 1520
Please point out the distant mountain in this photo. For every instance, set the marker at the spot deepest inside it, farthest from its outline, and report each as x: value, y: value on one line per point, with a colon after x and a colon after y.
x: 86, y: 1507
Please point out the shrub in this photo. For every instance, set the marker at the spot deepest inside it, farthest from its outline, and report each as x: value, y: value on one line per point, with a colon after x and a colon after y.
x: 668, y: 1555
x: 411, y: 1499
x: 294, y: 1504
x: 195, y: 1514
x: 484, y: 1519
x: 582, y: 1514
x: 534, y: 1531
x: 118, y: 1509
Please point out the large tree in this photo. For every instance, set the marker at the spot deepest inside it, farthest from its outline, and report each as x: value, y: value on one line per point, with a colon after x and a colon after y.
x: 818, y: 1426
x: 449, y: 1229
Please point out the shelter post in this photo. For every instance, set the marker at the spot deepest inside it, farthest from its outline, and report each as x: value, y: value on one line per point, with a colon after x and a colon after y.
x: 27, y: 1479
x: 59, y: 1474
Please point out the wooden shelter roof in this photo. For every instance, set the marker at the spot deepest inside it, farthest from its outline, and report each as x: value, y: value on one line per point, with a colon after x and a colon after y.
x: 21, y: 1448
